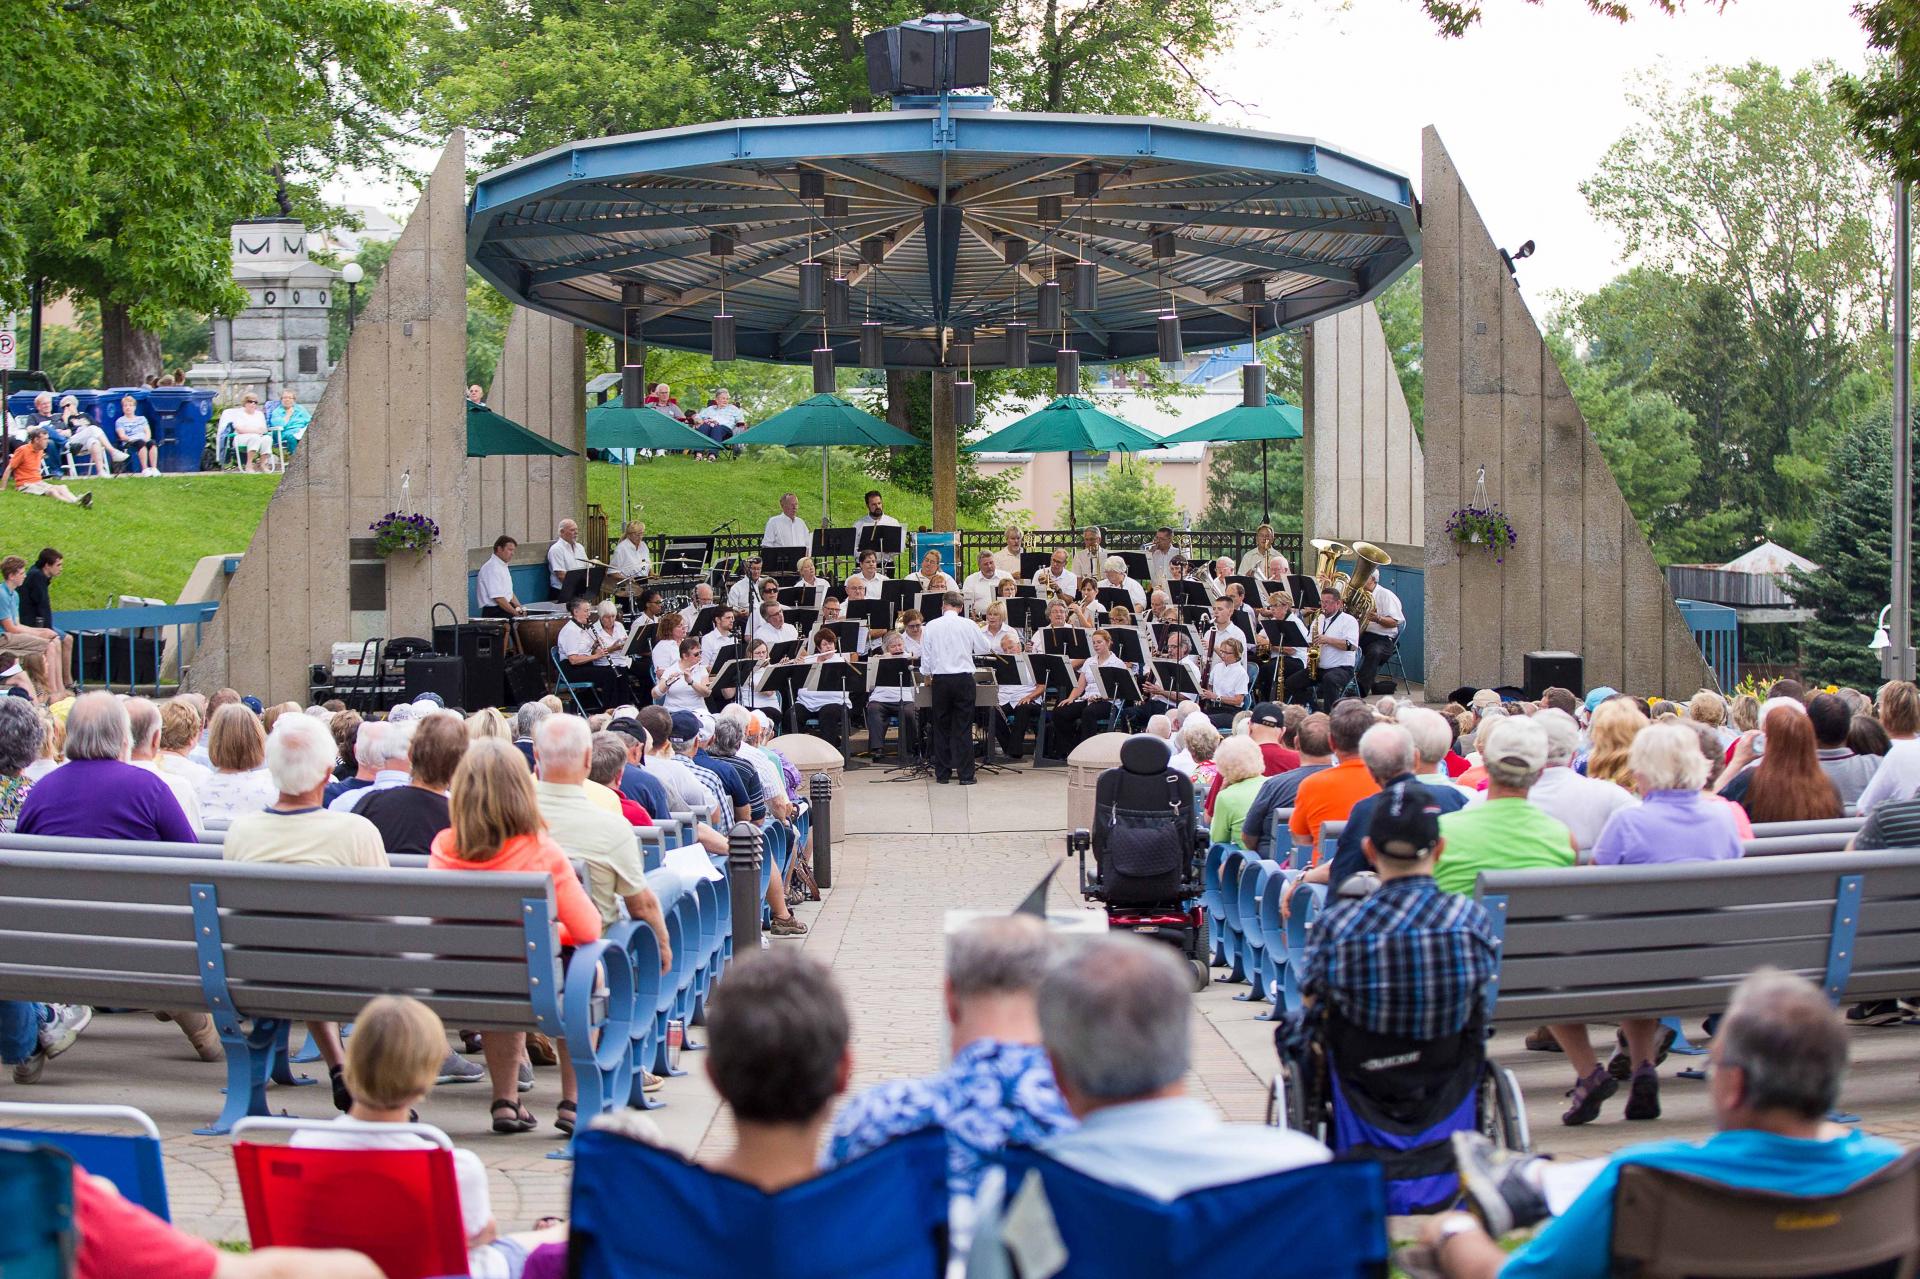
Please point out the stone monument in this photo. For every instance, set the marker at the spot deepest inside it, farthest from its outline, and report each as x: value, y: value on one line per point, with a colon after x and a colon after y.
x: 280, y: 340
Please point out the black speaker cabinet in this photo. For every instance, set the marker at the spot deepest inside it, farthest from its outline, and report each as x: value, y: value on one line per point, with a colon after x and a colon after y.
x: 442, y: 675
x: 481, y: 647
x: 1547, y: 670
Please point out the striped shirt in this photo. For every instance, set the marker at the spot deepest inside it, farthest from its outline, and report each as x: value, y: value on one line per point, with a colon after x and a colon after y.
x: 1409, y: 961
x: 1895, y: 824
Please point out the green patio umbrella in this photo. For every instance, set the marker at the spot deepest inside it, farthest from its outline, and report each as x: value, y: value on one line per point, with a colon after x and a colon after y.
x: 1275, y: 420
x: 614, y: 426
x: 822, y: 421
x: 490, y: 435
x: 1068, y: 425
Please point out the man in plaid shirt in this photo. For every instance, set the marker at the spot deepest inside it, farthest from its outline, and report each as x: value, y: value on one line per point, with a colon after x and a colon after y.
x: 1409, y: 960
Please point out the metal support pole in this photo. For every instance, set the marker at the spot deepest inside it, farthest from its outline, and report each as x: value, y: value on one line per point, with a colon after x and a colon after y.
x: 1899, y: 656
x: 34, y: 326
x: 743, y: 886
x: 820, y: 791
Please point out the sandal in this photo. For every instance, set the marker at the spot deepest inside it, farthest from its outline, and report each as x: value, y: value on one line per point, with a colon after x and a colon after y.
x: 568, y: 1113
x: 544, y: 1222
x: 516, y: 1119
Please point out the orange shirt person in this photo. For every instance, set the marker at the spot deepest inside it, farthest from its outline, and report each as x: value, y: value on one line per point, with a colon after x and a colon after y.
x: 25, y: 471
x: 1329, y: 795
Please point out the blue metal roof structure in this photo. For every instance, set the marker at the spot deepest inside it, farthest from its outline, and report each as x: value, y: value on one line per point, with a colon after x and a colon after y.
x: 1181, y: 215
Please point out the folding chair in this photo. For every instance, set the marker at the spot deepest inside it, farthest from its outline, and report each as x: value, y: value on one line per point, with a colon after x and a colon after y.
x: 36, y: 1203
x: 565, y: 685
x: 1328, y: 1221
x: 130, y: 1161
x: 1673, y: 1225
x: 884, y: 1215
x: 399, y: 1207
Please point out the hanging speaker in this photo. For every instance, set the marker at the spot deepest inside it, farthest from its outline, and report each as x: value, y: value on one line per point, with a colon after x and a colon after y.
x: 961, y: 335
x: 835, y: 206
x: 823, y: 382
x: 1165, y: 246
x: 633, y: 386
x: 1066, y: 373
x: 1017, y: 344
x: 725, y: 347
x: 1253, y: 386
x: 1167, y: 332
x: 1253, y: 292
x: 1086, y: 184
x: 962, y: 404
x: 1014, y: 250
x: 1047, y: 312
x: 813, y: 281
x: 873, y: 345
x: 873, y: 250
x: 1047, y: 208
x: 839, y: 303
x: 1086, y: 286
x: 720, y: 244
x: 813, y: 185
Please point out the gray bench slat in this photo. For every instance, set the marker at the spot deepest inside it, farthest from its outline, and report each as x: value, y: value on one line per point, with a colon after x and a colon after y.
x: 1767, y: 830
x: 107, y: 847
x: 1780, y: 845
x: 38, y: 982
x: 1651, y: 967
x: 372, y: 936
x: 102, y: 954
x: 1625, y: 890
x: 1590, y: 935
x: 471, y: 1012
x: 94, y: 919
x: 1534, y: 1008
x: 374, y: 974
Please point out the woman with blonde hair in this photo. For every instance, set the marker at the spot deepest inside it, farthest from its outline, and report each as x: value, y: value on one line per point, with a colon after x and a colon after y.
x: 1615, y: 724
x: 496, y: 826
x: 1744, y: 713
x: 489, y: 724
x: 1709, y: 708
x: 1898, y: 777
x: 1242, y: 770
x: 237, y: 750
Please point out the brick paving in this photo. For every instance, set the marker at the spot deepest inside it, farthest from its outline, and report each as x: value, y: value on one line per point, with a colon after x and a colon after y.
x: 910, y: 852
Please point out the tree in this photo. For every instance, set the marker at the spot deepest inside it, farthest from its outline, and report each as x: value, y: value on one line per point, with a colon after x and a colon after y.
x: 70, y: 355
x: 1645, y: 438
x: 1852, y: 542
x: 139, y: 130
x: 1128, y: 494
x: 1884, y: 104
x: 1401, y: 319
x: 1457, y: 17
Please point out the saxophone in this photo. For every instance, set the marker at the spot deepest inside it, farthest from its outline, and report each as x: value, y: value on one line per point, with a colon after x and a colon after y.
x: 1313, y: 650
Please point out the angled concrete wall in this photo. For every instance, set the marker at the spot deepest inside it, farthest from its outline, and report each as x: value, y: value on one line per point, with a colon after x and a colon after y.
x: 1581, y: 577
x: 1364, y: 470
x: 540, y: 383
x: 393, y: 408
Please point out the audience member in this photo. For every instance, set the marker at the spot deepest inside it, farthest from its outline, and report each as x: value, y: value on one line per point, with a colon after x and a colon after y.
x: 1581, y: 804
x: 180, y: 726
x: 22, y: 732
x: 97, y: 794
x: 1614, y: 725
x: 1849, y: 771
x: 1279, y: 791
x: 388, y: 749
x: 1899, y: 773
x: 1788, y: 784
x: 1331, y: 795
x: 1505, y: 831
x: 1865, y: 736
x: 1389, y: 754
x: 408, y: 817
x: 562, y: 754
x: 1239, y: 762
x: 237, y: 753
x: 20, y: 639
x: 1201, y: 739
x: 143, y: 724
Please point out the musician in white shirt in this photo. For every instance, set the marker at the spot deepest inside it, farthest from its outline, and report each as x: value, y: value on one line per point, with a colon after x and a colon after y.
x: 931, y: 576
x: 874, y: 516
x: 1162, y: 698
x: 1087, y: 561
x: 871, y: 574
x: 1224, y: 625
x: 772, y: 626
x: 611, y: 634
x: 994, y: 625
x: 745, y: 593
x: 495, y: 584
x: 1216, y: 581
x: 1072, y: 714
x: 1337, y: 636
x: 683, y: 686
x: 1160, y: 552
x: 983, y: 586
x: 1020, y: 703
x: 702, y: 598
x: 912, y: 627
x: 812, y: 581
x: 1225, y: 693
x: 632, y: 560
x: 1382, y: 634
x: 786, y: 528
x: 1056, y: 617
x: 671, y: 630
x: 1009, y: 554
x: 829, y: 708
x: 888, y: 702
x: 585, y: 653
x: 566, y: 554
x: 1254, y: 562
x: 1116, y: 579
x: 721, y: 636
x: 1280, y: 612
x: 1056, y: 578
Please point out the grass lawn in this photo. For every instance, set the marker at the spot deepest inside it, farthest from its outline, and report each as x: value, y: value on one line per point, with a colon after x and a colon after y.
x: 142, y: 536
x: 686, y: 495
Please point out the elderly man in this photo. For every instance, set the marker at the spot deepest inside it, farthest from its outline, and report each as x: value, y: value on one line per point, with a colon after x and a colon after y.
x: 563, y: 756
x: 1089, y: 560
x: 998, y: 1090
x: 96, y: 794
x: 982, y: 586
x: 565, y: 555
x: 1337, y: 636
x: 1116, y: 1016
x: 1160, y: 553
x: 364, y: 754
x: 388, y: 750
x: 1393, y: 759
x: 1506, y: 831
x: 787, y: 528
x: 1056, y: 581
x: 1382, y: 634
x: 702, y: 599
x: 1774, y: 1074
x: 1581, y: 804
x: 143, y: 725
x: 42, y: 416
x: 1329, y: 796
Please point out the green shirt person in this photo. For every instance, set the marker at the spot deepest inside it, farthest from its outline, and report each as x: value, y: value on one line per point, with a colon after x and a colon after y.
x: 1504, y: 831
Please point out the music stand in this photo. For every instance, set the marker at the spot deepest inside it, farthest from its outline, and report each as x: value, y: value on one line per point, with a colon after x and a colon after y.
x: 802, y: 619
x: 783, y: 682
x: 733, y: 652
x: 780, y: 559
x: 685, y: 556
x: 1032, y: 562
x: 801, y: 596
x: 1176, y: 678
x: 851, y: 636
x: 1112, y: 597
x: 833, y: 541
x: 703, y: 620
x: 1287, y: 634
x: 733, y: 674
x: 1128, y: 644
x: 1051, y: 669
x: 899, y: 592
x: 884, y: 539
x: 877, y: 615
x: 1255, y: 591
x: 785, y: 650
x: 1026, y: 613
x: 1137, y: 568
x: 1162, y: 630
x: 1068, y: 641
x: 1116, y: 684
x: 1195, y: 616
x: 1187, y: 593
x: 582, y: 581
x: 930, y: 604
x: 1305, y: 591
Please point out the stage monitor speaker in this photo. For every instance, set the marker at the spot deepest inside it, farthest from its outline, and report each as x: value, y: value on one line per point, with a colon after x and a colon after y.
x: 442, y: 675
x: 481, y: 647
x: 1545, y: 670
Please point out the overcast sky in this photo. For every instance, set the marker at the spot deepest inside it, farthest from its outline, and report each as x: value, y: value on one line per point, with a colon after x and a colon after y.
x: 1527, y: 101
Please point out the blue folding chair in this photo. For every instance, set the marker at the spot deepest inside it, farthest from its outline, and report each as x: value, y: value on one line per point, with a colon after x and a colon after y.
x: 131, y: 1161
x: 565, y: 685
x: 39, y: 1238
x: 882, y: 1216
x: 1327, y: 1221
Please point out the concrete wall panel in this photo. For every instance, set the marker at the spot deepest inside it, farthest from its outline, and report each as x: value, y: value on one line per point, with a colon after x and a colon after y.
x: 1363, y: 464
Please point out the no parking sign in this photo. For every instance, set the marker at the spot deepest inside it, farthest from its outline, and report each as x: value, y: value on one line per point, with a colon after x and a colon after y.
x: 6, y: 346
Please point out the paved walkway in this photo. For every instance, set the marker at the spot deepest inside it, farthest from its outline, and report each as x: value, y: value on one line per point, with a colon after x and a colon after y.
x: 910, y: 852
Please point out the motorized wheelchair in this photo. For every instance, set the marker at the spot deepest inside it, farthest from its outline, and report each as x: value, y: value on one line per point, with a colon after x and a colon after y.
x: 1398, y: 1101
x: 1148, y: 846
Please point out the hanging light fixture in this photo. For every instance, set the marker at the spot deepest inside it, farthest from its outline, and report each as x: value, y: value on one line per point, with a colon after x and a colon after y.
x: 813, y: 282
x: 1047, y: 312
x: 1253, y: 292
x: 1016, y: 344
x: 1066, y: 373
x: 873, y: 345
x: 1166, y: 246
x: 1253, y: 386
x: 839, y: 302
x: 963, y: 336
x: 823, y: 381
x: 962, y: 404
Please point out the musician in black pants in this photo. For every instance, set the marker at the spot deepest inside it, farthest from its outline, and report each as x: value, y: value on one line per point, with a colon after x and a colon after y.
x: 947, y: 648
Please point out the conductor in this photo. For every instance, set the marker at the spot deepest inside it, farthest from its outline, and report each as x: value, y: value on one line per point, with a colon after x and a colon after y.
x: 947, y: 647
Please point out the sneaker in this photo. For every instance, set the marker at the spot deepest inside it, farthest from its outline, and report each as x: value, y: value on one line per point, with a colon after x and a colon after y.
x: 1643, y: 1094
x: 1620, y: 1065
x: 788, y: 927
x: 458, y: 1070
x: 57, y: 1035
x: 1880, y: 1012
x: 650, y: 1082
x: 524, y: 1082
x: 1584, y: 1101
x: 1497, y: 1184
x: 342, y: 1099
x: 86, y: 501
x: 30, y: 1070
x: 1541, y: 1040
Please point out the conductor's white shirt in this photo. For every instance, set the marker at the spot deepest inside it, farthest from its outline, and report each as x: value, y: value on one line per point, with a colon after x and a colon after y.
x: 947, y: 645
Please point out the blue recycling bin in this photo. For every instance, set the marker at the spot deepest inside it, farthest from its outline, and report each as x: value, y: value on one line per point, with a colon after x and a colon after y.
x: 90, y: 402
x: 180, y: 415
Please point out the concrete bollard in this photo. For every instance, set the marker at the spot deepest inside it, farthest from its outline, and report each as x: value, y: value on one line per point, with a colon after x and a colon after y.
x: 821, y: 794
x: 743, y: 886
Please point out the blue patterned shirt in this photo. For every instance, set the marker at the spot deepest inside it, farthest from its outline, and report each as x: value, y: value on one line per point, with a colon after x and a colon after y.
x: 994, y: 1094
x: 1410, y: 960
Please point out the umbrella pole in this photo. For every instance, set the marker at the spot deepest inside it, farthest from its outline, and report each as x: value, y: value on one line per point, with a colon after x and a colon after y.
x: 1072, y: 522
x: 625, y: 509
x: 823, y: 486
x: 1266, y: 511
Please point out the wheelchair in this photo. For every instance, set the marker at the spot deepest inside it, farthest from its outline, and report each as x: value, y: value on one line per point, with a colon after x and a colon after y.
x: 1395, y: 1100
x: 1148, y: 847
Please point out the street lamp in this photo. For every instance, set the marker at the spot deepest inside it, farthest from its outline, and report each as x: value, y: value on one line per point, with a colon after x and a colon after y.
x: 1880, y: 642
x: 352, y: 273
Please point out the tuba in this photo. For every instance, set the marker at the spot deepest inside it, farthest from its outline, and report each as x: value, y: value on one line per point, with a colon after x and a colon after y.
x: 1357, y: 599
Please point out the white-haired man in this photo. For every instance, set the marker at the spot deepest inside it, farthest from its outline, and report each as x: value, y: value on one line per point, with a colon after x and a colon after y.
x: 565, y: 555
x: 1581, y: 804
x: 562, y: 756
x: 96, y: 794
x: 1393, y: 757
x: 143, y: 723
x: 786, y: 528
x: 1506, y: 831
x: 388, y: 750
x: 982, y: 587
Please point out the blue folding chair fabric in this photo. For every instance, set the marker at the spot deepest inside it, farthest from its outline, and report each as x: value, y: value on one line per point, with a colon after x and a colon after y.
x: 37, y: 1228
x: 1214, y: 900
x: 882, y: 1216
x: 1328, y: 1221
x: 131, y: 1161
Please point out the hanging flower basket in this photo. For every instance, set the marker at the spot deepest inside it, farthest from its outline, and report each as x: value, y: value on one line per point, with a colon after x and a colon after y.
x: 396, y: 531
x: 1482, y: 526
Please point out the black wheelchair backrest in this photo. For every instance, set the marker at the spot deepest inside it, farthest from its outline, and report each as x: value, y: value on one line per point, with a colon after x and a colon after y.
x: 1143, y: 824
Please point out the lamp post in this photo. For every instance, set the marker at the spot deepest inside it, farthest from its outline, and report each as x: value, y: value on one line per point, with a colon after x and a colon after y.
x: 352, y: 273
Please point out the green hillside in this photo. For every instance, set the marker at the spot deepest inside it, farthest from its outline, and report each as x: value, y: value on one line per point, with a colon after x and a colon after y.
x: 687, y: 495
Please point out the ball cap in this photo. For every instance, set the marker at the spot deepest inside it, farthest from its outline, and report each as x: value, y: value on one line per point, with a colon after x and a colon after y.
x: 1269, y: 714
x: 1406, y: 822
x: 686, y: 726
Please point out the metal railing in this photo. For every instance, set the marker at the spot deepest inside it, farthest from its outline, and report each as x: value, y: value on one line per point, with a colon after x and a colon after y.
x: 1717, y: 630
x: 128, y: 648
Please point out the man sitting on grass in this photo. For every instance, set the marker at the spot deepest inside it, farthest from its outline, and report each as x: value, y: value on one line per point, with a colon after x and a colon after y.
x: 25, y: 471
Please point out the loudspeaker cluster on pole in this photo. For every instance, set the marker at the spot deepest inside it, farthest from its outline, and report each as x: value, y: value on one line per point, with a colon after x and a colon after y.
x: 1066, y: 373
x: 823, y: 379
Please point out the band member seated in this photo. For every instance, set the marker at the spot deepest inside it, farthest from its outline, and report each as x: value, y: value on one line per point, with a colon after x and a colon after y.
x: 1160, y: 699
x: 983, y: 586
x: 1116, y: 578
x: 824, y: 714
x: 1215, y: 580
x: 1089, y: 559
x: 495, y: 583
x: 1056, y: 580
x: 671, y: 630
x: 682, y: 684
x: 721, y: 636
x: 1086, y: 611
x: 1254, y: 562
x: 632, y: 561
x: 754, y: 697
x: 870, y: 573
x: 702, y: 598
x: 1020, y: 705
x: 1009, y: 554
x: 610, y: 632
x: 1292, y: 646
x: 1337, y: 637
x: 1382, y: 636
x: 1225, y: 693
x: 1057, y: 616
x: 745, y: 593
x: 585, y: 653
x: 1160, y: 554
x: 811, y: 579
x: 566, y: 554
x: 891, y: 703
x: 995, y: 625
x: 931, y: 576
x: 1077, y: 713
x: 772, y: 626
x: 912, y: 627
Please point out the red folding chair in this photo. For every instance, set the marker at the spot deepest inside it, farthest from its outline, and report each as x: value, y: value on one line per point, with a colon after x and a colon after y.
x: 399, y: 1207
